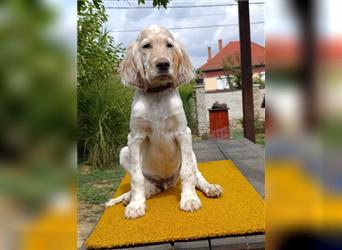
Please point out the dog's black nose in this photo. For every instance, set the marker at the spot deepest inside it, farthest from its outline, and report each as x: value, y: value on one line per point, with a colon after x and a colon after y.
x: 163, y: 64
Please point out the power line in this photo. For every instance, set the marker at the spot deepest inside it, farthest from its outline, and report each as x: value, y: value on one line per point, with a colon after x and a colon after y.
x: 192, y: 27
x: 189, y: 16
x: 189, y: 1
x: 178, y: 7
x: 176, y: 1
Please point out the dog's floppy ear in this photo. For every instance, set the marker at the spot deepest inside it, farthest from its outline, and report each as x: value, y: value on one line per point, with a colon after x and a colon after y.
x: 182, y: 66
x: 132, y: 70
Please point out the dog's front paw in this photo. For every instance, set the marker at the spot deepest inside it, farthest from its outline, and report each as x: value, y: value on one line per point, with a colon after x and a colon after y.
x: 134, y: 210
x: 190, y: 203
x: 213, y: 191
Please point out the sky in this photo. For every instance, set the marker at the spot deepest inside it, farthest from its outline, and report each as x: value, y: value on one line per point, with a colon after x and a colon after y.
x: 279, y: 22
x: 195, y: 40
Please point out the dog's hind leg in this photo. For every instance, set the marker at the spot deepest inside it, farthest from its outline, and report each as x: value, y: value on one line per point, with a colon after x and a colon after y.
x: 150, y: 190
x: 210, y: 190
x: 125, y: 198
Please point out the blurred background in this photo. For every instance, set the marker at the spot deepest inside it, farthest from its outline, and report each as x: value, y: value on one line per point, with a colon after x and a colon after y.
x: 38, y: 124
x: 303, y: 124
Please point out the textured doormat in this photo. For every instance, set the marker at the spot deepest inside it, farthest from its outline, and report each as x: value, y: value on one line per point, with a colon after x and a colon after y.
x: 239, y: 211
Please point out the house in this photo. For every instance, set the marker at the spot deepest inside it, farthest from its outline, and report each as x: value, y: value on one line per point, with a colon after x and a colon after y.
x: 214, y: 77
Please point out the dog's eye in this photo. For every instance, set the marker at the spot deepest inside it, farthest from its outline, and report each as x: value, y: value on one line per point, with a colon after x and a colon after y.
x: 146, y: 46
x: 169, y: 45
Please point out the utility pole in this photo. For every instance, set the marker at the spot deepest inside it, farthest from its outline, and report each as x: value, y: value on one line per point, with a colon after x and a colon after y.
x: 246, y: 70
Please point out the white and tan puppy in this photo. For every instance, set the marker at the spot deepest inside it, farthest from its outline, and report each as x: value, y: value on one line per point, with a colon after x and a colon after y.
x: 159, y: 147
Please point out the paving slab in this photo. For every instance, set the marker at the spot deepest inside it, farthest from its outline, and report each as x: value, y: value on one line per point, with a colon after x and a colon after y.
x: 204, y: 143
x: 232, y: 243
x: 260, y: 150
x: 196, y: 245
x: 256, y: 242
x: 212, y: 154
x: 151, y: 247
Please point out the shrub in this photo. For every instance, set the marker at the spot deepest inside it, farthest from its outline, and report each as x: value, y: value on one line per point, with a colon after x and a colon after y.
x: 189, y: 104
x: 103, y: 103
x: 258, y: 123
x: 104, y: 115
x: 258, y: 81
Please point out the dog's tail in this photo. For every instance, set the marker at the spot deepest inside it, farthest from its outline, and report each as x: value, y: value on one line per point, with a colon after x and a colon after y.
x: 124, y: 198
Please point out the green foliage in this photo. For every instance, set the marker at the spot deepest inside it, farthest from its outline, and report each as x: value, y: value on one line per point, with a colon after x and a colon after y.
x: 81, y: 3
x: 156, y: 3
x: 232, y: 70
x: 103, y: 102
x: 98, y: 57
x: 258, y: 82
x: 260, y: 138
x: 97, y: 3
x: 37, y: 108
x: 258, y: 123
x: 96, y: 186
x: 36, y: 88
x: 236, y: 133
x: 189, y: 104
x: 103, y: 122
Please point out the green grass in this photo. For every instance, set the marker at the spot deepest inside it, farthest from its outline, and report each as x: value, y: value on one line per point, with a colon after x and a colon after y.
x: 236, y: 133
x: 97, y: 185
x: 259, y: 136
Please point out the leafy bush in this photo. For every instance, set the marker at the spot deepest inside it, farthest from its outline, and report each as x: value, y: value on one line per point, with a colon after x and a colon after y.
x: 103, y: 103
x: 103, y: 121
x: 189, y: 104
x: 258, y: 123
x: 258, y: 81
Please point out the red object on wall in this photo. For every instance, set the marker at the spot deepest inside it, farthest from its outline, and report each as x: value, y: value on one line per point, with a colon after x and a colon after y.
x: 219, y: 123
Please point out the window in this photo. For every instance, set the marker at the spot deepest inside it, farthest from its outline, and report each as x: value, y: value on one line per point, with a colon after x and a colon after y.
x: 262, y: 76
x: 222, y: 83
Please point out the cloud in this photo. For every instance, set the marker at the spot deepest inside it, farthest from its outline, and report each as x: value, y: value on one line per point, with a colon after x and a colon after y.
x: 195, y: 40
x: 138, y: 14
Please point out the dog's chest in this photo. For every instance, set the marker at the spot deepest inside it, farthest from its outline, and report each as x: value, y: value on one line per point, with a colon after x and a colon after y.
x: 157, y: 113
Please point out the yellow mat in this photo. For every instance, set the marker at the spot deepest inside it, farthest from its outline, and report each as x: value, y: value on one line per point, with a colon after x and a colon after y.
x: 239, y: 211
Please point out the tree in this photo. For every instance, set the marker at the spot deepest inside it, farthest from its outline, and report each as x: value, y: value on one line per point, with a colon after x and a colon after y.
x: 97, y: 56
x: 97, y: 3
x: 232, y: 71
x: 156, y: 3
x: 103, y: 102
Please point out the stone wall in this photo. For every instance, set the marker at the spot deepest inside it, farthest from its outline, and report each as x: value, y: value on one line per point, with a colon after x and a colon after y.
x: 233, y: 99
x: 201, y: 108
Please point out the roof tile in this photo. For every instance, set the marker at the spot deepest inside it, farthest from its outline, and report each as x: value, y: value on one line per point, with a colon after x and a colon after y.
x: 233, y: 49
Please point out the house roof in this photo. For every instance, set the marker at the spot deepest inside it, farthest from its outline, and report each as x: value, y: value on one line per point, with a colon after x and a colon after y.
x: 233, y: 49
x: 284, y: 52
